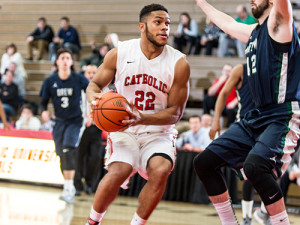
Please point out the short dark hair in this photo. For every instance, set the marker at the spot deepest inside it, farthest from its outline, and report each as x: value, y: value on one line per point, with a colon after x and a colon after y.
x: 150, y: 8
x: 27, y: 106
x: 61, y: 51
x: 195, y: 116
x: 42, y: 19
x: 65, y: 18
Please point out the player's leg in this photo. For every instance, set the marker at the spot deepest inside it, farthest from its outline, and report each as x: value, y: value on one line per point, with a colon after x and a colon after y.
x: 247, y: 202
x: 267, y: 161
x: 70, y: 139
x: 122, y: 158
x: 230, y: 149
x: 157, y: 160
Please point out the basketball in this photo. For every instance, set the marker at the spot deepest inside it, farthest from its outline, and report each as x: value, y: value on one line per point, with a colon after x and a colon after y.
x: 109, y: 112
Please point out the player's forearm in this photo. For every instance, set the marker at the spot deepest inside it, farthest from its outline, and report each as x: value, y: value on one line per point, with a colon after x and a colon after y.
x: 220, y: 105
x: 91, y: 90
x: 164, y: 117
x: 222, y: 20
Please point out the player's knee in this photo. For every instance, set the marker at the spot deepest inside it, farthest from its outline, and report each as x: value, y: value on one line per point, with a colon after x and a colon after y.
x: 118, y: 172
x: 202, y: 164
x: 68, y: 158
x: 254, y: 166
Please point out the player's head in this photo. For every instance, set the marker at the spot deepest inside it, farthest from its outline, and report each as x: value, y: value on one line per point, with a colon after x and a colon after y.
x: 64, y: 59
x: 195, y: 123
x: 258, y: 7
x: 90, y: 72
x: 154, y: 24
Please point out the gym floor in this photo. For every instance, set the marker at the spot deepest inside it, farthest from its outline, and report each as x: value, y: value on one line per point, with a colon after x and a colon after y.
x: 29, y: 204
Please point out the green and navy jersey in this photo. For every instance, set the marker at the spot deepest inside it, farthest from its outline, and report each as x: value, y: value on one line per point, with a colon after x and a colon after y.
x: 273, y: 73
x: 65, y: 94
x: 244, y: 97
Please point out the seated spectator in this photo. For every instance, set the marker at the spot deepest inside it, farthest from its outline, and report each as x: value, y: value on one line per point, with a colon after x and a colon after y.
x: 18, y: 80
x: 3, y: 117
x: 96, y: 58
x: 210, y: 99
x: 191, y: 139
x: 27, y: 120
x: 226, y: 42
x: 210, y: 38
x: 9, y: 95
x: 12, y: 55
x: 112, y: 40
x: 39, y: 39
x: 292, y: 174
x: 67, y: 37
x: 187, y: 33
x: 48, y: 122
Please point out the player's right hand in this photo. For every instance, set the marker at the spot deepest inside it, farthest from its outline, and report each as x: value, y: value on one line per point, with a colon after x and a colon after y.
x: 215, y: 128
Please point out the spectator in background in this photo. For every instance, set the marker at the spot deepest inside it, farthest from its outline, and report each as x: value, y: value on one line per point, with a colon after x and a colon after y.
x: 3, y: 117
x: 9, y: 95
x: 210, y: 38
x: 298, y: 30
x: 18, y: 80
x: 213, y: 92
x: 39, y: 39
x: 67, y: 37
x: 96, y: 58
x: 225, y: 41
x: 112, y: 40
x: 90, y: 153
x: 187, y: 33
x: 48, y: 122
x: 27, y: 120
x: 12, y: 55
x: 191, y: 139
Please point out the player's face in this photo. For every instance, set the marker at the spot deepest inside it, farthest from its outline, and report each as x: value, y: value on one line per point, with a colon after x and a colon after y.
x: 258, y: 7
x: 157, y: 28
x: 64, y: 61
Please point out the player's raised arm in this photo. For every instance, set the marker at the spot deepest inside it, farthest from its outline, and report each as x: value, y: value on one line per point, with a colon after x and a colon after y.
x: 280, y: 23
x: 226, y: 23
x: 103, y: 77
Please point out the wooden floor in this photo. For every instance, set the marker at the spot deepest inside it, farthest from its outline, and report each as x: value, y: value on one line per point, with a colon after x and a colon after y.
x: 27, y: 204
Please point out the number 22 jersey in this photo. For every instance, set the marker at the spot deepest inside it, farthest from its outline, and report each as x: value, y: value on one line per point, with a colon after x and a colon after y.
x: 146, y: 82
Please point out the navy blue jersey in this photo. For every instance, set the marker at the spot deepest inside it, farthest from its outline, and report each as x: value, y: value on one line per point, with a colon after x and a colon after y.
x: 271, y: 70
x: 243, y: 94
x: 65, y: 94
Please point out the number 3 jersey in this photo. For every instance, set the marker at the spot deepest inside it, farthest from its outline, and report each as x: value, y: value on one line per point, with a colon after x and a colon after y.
x: 65, y: 94
x: 145, y: 82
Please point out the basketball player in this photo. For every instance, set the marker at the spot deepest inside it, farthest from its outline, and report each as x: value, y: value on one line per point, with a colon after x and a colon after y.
x: 238, y: 80
x: 262, y: 142
x: 154, y: 77
x: 64, y: 88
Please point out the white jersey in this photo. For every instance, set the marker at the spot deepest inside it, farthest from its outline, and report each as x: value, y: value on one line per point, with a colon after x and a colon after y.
x: 146, y: 82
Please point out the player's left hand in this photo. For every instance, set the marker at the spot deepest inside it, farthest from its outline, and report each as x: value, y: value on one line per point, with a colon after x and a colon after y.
x: 135, y: 116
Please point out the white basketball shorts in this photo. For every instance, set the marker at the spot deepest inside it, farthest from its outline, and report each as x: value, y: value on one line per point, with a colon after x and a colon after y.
x: 137, y: 149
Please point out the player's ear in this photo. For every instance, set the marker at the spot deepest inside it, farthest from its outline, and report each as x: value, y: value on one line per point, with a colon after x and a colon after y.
x: 142, y: 26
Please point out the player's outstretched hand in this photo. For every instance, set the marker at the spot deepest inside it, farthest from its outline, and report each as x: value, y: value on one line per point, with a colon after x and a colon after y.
x: 200, y: 2
x: 135, y: 115
x: 215, y: 128
x: 93, y: 100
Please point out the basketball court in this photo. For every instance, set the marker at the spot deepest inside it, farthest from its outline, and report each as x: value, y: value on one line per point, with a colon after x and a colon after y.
x: 29, y: 204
